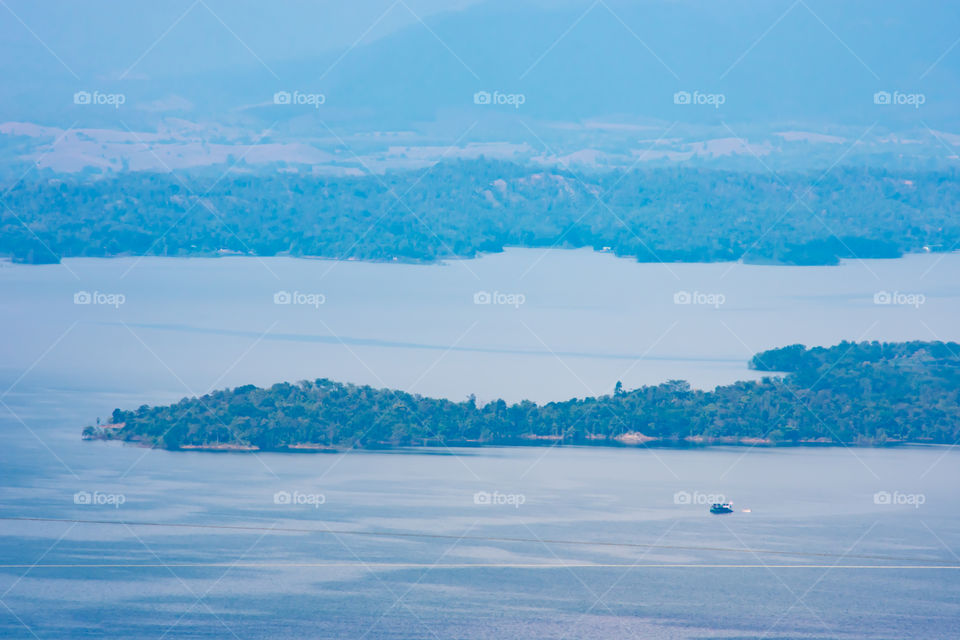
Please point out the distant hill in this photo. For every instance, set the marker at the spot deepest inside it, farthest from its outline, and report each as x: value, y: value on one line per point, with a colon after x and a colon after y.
x: 460, y: 209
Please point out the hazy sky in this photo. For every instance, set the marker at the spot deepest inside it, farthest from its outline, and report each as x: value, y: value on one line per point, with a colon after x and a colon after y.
x: 114, y: 34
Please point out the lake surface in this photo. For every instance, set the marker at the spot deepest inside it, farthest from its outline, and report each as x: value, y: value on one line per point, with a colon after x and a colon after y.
x: 557, y: 542
x: 586, y: 321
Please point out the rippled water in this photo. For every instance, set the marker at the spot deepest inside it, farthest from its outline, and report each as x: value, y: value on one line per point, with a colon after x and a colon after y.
x: 507, y: 569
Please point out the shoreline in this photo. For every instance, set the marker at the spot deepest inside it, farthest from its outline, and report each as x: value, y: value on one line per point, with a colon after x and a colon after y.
x: 445, y: 260
x: 689, y: 443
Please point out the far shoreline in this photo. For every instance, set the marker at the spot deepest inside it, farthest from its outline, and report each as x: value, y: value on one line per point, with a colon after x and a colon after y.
x: 447, y: 260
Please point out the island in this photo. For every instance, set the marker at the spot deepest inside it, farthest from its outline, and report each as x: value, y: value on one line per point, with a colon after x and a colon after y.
x: 851, y: 394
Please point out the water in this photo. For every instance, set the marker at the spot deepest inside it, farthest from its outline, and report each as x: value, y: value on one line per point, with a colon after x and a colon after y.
x: 819, y: 555
x: 803, y: 502
x: 587, y: 321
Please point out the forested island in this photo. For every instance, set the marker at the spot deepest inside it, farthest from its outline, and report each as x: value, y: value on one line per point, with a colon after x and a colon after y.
x: 462, y: 209
x: 866, y: 393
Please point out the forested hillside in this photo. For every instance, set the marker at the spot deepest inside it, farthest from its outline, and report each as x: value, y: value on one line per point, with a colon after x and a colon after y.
x: 464, y: 208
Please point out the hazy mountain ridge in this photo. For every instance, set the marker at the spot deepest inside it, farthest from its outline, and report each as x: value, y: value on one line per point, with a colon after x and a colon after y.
x: 616, y: 65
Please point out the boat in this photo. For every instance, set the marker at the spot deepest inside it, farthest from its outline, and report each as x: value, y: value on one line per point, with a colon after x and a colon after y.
x: 721, y: 507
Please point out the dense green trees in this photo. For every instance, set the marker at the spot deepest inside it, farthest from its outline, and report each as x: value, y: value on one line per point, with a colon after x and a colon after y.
x: 852, y: 393
x: 462, y: 208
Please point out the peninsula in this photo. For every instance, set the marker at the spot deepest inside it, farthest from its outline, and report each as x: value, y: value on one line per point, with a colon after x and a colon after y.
x: 866, y: 393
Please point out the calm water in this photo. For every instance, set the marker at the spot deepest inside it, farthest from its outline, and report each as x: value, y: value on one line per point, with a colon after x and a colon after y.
x: 818, y: 554
x: 587, y: 320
